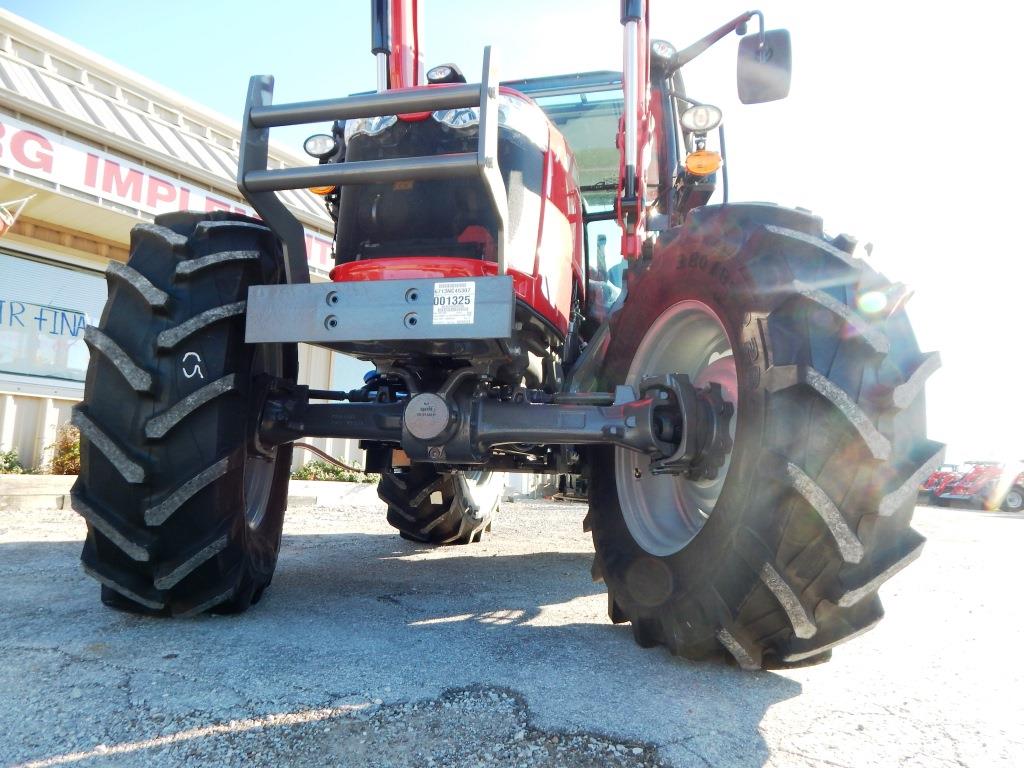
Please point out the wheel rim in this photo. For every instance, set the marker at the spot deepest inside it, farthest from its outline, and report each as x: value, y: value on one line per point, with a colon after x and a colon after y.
x: 486, y: 488
x: 259, y: 468
x: 665, y: 512
x: 1014, y: 500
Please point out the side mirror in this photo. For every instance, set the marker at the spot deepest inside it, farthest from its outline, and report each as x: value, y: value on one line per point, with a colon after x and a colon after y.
x: 763, y: 71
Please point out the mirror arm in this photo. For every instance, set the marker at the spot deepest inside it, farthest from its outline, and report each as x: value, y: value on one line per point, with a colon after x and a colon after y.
x: 738, y: 24
x: 725, y: 168
x: 688, y: 99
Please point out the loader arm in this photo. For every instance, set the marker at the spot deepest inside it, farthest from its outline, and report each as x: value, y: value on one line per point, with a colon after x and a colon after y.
x: 635, y: 126
x: 396, y: 43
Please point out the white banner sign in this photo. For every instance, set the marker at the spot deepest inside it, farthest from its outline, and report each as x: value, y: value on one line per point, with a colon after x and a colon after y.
x: 48, y: 156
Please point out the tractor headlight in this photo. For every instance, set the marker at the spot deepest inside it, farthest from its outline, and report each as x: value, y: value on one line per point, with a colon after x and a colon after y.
x: 320, y: 145
x: 513, y: 113
x: 463, y: 117
x: 439, y: 74
x: 701, y: 118
x: 445, y: 73
x: 663, y: 50
x: 368, y: 126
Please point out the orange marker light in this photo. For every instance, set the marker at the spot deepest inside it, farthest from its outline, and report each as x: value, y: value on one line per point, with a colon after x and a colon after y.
x: 323, y: 190
x: 703, y: 162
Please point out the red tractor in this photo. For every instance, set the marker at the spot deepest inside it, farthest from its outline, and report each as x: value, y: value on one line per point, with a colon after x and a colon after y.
x: 741, y: 392
x: 987, y: 485
x: 937, y: 482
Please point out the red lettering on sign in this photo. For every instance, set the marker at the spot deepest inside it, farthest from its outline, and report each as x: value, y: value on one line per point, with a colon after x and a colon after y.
x: 159, y: 191
x: 127, y: 184
x: 318, y: 251
x: 41, y: 158
x: 183, y: 195
x: 91, y: 164
x: 323, y: 254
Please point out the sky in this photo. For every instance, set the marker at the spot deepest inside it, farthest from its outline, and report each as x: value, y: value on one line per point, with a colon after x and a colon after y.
x: 902, y: 128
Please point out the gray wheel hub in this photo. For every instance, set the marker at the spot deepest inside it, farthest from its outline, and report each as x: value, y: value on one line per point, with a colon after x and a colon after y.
x: 665, y: 512
x: 1014, y: 501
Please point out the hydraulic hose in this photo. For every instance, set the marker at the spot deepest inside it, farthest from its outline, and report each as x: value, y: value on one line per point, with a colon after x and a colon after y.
x: 327, y: 457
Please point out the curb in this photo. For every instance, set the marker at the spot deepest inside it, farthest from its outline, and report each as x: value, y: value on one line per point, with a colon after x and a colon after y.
x: 28, y: 502
x: 51, y: 492
x: 30, y: 492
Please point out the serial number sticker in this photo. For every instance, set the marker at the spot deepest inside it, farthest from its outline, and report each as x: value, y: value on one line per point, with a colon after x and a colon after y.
x: 454, y: 303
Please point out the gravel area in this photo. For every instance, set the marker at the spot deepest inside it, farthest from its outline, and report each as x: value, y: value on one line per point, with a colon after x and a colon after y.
x: 369, y: 650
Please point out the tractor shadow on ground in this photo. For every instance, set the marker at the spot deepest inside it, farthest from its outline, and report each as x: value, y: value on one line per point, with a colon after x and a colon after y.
x: 367, y: 616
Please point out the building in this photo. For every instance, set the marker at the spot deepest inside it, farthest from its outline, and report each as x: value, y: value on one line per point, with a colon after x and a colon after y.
x: 99, y: 148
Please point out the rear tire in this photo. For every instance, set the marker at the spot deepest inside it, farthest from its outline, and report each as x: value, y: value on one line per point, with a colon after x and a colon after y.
x: 1014, y: 500
x: 184, y: 513
x: 441, y: 507
x: 784, y: 559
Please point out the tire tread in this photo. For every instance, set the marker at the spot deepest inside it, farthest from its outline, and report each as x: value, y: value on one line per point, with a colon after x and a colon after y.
x: 138, y: 379
x: 827, y: 521
x: 167, y: 530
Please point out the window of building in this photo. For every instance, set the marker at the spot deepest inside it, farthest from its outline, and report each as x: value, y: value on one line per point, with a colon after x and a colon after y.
x: 44, y: 309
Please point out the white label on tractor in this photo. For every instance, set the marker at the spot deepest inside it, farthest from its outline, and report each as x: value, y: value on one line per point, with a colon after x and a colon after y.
x: 454, y: 303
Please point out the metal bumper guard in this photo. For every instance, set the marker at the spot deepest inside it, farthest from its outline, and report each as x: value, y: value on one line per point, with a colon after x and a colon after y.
x: 259, y: 185
x: 385, y: 310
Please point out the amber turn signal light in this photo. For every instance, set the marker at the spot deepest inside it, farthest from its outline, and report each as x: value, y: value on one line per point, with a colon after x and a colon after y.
x: 703, y: 162
x: 323, y: 190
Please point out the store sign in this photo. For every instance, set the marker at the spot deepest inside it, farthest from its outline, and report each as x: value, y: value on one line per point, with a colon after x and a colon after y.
x: 48, y: 156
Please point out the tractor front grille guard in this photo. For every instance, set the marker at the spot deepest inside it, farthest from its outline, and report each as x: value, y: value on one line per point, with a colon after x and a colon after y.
x: 259, y: 185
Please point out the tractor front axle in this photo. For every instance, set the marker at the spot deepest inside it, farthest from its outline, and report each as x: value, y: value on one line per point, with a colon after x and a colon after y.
x: 680, y: 427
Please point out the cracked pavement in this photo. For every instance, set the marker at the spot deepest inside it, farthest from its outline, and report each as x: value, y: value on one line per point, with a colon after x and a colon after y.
x: 371, y: 650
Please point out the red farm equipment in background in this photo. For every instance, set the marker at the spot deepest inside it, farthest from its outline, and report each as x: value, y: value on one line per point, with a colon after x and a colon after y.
x: 986, y: 485
x: 937, y: 482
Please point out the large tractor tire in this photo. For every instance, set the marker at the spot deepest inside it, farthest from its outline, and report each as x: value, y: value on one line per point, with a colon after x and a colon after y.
x: 441, y: 507
x: 184, y: 510
x: 780, y: 557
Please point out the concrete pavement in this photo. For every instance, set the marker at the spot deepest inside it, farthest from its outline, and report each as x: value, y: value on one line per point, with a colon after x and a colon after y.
x: 370, y: 650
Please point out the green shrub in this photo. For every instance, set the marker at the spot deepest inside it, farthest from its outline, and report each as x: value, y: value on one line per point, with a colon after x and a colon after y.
x: 66, y: 459
x: 322, y: 470
x: 9, y: 464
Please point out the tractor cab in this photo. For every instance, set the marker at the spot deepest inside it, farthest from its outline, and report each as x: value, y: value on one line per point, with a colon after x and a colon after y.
x: 587, y: 109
